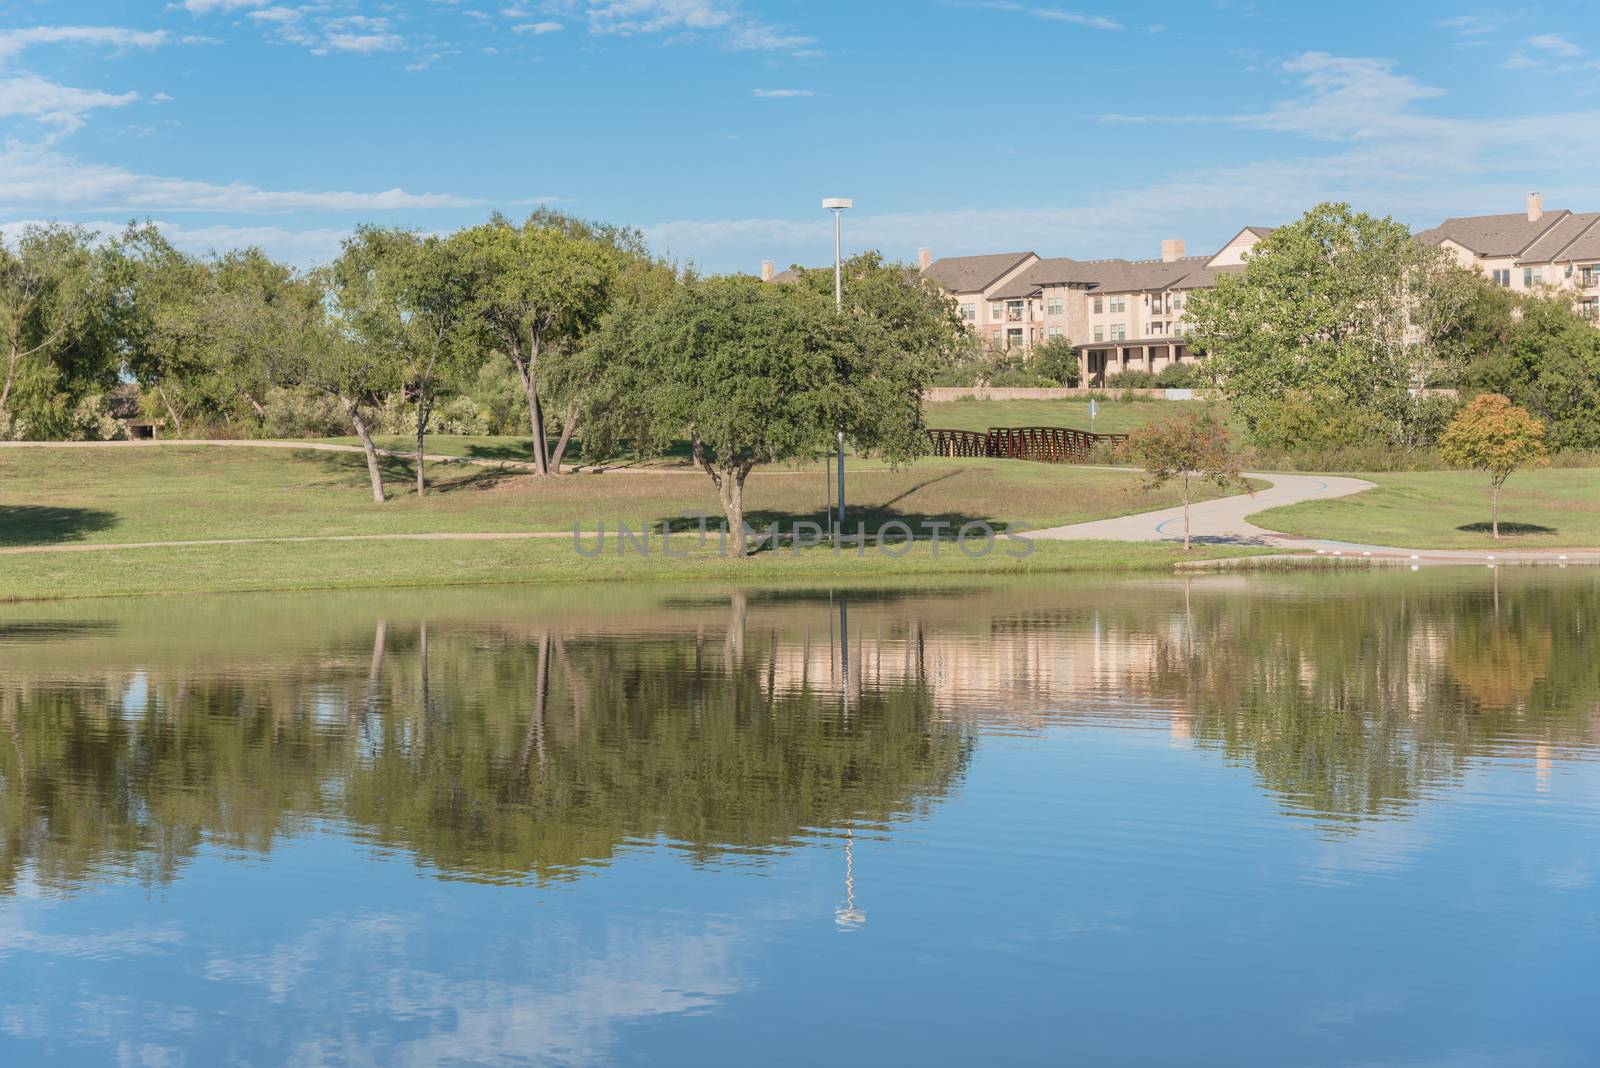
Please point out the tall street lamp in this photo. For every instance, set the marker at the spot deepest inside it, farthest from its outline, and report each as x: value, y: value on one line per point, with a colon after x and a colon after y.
x: 837, y: 205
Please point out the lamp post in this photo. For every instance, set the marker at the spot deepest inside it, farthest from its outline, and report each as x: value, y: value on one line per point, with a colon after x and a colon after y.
x: 838, y: 205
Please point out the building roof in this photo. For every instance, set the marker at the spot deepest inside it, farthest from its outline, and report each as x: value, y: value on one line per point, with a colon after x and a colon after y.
x: 1560, y: 240
x: 1205, y: 277
x: 1104, y: 276
x: 1493, y: 235
x: 793, y: 274
x: 1261, y: 231
x: 971, y: 274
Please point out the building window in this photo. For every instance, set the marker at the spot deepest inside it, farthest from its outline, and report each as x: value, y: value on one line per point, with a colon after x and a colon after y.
x: 1158, y: 328
x: 1099, y: 333
x: 1119, y: 303
x: 1588, y: 275
x: 1502, y: 277
x: 1055, y: 331
x: 996, y: 312
x: 1052, y: 306
x: 1119, y: 332
x: 969, y: 312
x: 1531, y: 277
x: 1013, y: 337
x: 1589, y: 309
x: 1099, y: 305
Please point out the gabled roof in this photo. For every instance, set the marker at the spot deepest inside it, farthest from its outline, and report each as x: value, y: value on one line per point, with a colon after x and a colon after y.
x: 793, y: 274
x: 1560, y: 241
x: 971, y: 274
x: 1260, y: 231
x: 1104, y: 276
x: 1493, y: 235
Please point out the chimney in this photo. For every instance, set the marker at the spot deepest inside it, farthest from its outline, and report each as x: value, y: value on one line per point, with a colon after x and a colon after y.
x: 766, y: 270
x: 1171, y: 249
x: 1535, y: 207
x: 924, y: 258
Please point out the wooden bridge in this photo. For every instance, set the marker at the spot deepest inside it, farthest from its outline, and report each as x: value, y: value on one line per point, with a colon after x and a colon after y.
x: 1045, y: 444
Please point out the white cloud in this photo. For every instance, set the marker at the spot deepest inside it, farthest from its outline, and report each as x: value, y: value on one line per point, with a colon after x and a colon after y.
x: 1052, y: 14
x: 61, y: 106
x: 1518, y: 61
x: 12, y: 42
x: 1467, y: 25
x: 39, y: 177
x: 538, y: 27
x: 277, y: 15
x: 723, y: 21
x: 361, y: 42
x: 206, y: 7
x: 1555, y: 43
x: 775, y: 93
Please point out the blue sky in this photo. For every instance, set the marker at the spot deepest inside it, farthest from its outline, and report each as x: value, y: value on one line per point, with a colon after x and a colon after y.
x: 717, y: 125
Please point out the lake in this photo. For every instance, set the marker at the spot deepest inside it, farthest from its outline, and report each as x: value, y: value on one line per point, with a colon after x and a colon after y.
x: 1312, y: 819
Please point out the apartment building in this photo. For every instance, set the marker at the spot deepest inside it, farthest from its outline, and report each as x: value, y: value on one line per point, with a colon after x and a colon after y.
x: 1531, y: 250
x: 1121, y: 315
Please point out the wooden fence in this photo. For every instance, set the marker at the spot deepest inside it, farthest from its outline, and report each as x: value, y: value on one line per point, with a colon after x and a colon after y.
x: 1045, y: 444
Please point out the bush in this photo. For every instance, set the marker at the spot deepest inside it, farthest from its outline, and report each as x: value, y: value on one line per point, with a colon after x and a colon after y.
x: 1057, y: 360
x: 1180, y: 376
x: 1301, y: 422
x: 299, y: 413
x: 1131, y: 380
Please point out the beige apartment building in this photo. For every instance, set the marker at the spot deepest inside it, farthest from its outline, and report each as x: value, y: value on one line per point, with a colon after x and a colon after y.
x: 1531, y: 250
x: 1121, y: 315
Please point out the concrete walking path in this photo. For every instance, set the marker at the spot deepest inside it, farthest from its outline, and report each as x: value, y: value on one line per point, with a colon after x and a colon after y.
x: 1225, y: 521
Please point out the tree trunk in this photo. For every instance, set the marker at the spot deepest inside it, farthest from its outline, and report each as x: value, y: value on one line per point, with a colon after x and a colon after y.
x: 527, y: 371
x: 177, y: 424
x: 567, y: 423
x: 1494, y: 507
x: 373, y: 471
x: 422, y: 430
x: 541, y: 447
x: 732, y: 493
x: 1185, y: 513
x: 11, y: 374
x: 261, y: 413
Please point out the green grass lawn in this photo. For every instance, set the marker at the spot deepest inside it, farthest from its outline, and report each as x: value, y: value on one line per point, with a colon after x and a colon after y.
x: 181, y: 493
x: 1114, y: 417
x: 1549, y: 508
x: 358, y: 565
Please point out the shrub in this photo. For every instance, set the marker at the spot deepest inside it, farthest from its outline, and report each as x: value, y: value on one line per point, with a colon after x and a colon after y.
x: 298, y: 413
x: 1131, y: 380
x: 1180, y: 376
x: 1056, y: 359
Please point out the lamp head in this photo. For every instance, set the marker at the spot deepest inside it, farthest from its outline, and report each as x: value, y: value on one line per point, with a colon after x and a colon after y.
x: 838, y: 203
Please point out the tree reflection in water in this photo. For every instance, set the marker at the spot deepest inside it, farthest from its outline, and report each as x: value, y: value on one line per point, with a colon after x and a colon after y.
x: 505, y: 737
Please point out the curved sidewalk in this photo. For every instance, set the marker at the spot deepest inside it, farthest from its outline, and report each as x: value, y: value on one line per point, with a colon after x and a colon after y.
x: 1225, y: 521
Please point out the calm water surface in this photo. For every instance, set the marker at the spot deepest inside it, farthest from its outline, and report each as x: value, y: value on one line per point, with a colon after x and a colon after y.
x: 1331, y: 819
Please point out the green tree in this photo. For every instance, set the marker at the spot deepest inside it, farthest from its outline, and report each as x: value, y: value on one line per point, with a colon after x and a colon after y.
x: 332, y: 355
x: 410, y: 300
x: 1338, y: 304
x: 1191, y: 449
x: 49, y: 284
x: 1056, y: 359
x: 544, y: 285
x: 1491, y: 434
x: 159, y: 301
x: 749, y: 372
x: 1544, y: 356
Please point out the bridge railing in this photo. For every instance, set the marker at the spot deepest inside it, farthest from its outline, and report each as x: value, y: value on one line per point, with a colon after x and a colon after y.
x: 1043, y: 444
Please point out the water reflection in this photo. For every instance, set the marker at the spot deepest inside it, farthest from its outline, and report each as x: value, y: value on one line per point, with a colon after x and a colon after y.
x: 537, y: 742
x: 626, y: 807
